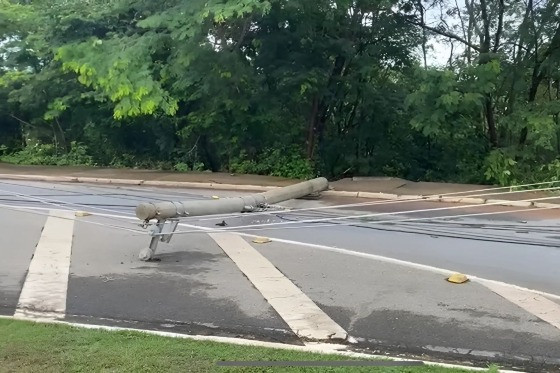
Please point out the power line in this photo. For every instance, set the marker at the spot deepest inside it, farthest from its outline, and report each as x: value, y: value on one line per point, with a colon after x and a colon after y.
x: 364, y: 216
x: 294, y: 211
x: 253, y: 227
x: 35, y: 212
x: 429, y: 198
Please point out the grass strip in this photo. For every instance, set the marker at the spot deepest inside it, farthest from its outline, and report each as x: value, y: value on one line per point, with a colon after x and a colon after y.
x: 39, y: 347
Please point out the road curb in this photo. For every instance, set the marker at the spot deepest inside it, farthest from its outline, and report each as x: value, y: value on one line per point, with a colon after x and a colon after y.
x: 512, y: 203
x: 263, y: 188
x: 156, y: 183
x: 196, y: 185
x: 335, y: 193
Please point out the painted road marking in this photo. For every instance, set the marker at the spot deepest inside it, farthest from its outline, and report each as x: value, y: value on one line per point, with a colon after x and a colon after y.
x: 45, y: 287
x: 301, y: 314
x: 536, y: 304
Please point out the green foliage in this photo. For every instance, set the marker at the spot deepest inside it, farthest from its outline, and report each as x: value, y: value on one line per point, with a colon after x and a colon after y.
x: 448, y: 104
x: 48, y: 154
x: 275, y: 162
x: 123, y: 77
x: 181, y: 167
x: 500, y: 168
x: 184, y: 167
x: 503, y: 169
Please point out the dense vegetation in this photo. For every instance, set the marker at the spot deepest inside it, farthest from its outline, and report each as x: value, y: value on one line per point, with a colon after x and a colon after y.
x: 285, y: 87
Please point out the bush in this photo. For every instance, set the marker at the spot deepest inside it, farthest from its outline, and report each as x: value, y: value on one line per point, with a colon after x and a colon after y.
x: 77, y: 156
x: 49, y: 155
x: 275, y: 162
x: 500, y: 168
x: 507, y: 168
x: 181, y: 167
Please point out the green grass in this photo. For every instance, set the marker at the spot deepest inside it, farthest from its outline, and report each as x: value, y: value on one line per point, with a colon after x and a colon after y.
x: 37, y: 347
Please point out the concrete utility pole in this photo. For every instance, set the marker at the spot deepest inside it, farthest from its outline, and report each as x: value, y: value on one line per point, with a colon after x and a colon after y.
x: 167, y: 214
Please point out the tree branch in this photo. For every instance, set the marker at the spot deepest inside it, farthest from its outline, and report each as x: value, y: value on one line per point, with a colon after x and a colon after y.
x: 451, y: 56
x: 445, y: 33
x: 21, y: 120
x: 553, y: 46
x: 244, y: 31
x: 461, y: 19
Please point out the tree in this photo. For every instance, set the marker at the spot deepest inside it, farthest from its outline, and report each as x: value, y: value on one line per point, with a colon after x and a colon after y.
x: 291, y: 88
x: 523, y: 39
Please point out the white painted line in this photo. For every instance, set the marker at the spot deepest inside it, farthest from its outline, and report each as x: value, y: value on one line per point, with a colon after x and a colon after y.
x: 536, y: 304
x: 303, y: 316
x: 320, y: 348
x: 45, y: 287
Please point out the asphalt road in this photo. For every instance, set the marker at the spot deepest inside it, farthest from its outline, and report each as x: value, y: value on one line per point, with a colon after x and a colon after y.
x: 343, y: 265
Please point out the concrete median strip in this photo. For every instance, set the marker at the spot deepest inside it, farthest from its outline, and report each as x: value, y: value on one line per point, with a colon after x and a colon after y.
x: 45, y: 287
x: 511, y: 203
x: 195, y: 185
x: 60, y: 179
x: 335, y: 193
x: 96, y: 180
x: 301, y: 314
x: 375, y: 195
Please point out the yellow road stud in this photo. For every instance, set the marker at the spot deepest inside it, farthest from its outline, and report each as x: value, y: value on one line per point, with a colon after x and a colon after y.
x: 81, y: 214
x: 261, y: 240
x: 457, y: 278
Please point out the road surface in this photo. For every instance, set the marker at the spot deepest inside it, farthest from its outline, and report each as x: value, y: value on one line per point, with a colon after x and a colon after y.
x: 371, y: 276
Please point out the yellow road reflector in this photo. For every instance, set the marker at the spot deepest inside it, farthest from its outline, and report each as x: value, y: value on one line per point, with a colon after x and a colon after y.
x: 261, y: 240
x: 215, y: 197
x: 81, y: 214
x: 458, y: 278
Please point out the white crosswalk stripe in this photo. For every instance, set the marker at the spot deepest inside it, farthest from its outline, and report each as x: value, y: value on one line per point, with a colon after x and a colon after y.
x: 46, y: 284
x: 536, y: 304
x: 303, y: 316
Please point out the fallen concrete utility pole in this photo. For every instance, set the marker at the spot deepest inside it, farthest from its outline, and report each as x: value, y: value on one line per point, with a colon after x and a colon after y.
x: 167, y: 214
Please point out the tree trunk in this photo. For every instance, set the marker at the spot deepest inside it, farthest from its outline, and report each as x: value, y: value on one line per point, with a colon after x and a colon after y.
x: 319, y: 110
x: 490, y: 120
x: 62, y: 136
x: 311, y: 128
x: 483, y: 59
x: 500, y: 26
x: 537, y: 78
x: 537, y: 75
x: 209, y: 153
x: 424, y: 39
x: 485, y: 47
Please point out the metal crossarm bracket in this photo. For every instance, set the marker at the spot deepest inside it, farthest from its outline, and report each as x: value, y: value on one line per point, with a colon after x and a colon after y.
x: 161, y: 231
